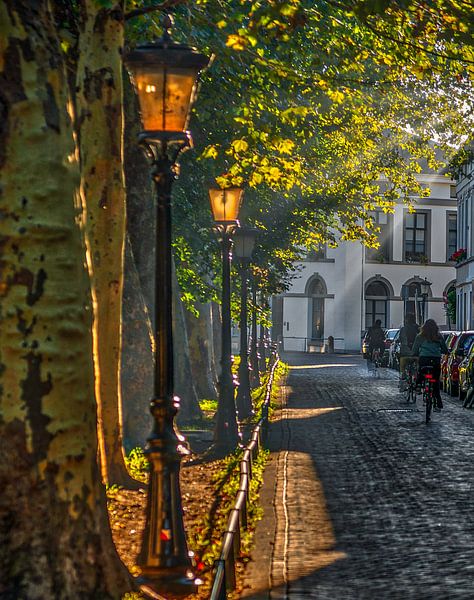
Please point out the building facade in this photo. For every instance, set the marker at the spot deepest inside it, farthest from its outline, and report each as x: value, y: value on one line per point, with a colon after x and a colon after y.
x: 465, y: 264
x: 339, y: 292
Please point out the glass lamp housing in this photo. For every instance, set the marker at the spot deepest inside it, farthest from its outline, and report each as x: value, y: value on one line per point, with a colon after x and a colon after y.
x: 425, y: 287
x: 225, y: 204
x: 164, y: 75
x: 244, y: 242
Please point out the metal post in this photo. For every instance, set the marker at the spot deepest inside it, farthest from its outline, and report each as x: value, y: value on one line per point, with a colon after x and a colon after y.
x: 164, y: 559
x: 262, y: 363
x: 255, y: 376
x: 244, y: 398
x: 226, y: 433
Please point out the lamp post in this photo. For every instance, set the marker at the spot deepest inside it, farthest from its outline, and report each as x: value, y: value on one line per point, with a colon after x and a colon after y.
x: 164, y: 74
x: 262, y: 362
x: 425, y: 287
x: 225, y: 205
x: 255, y: 375
x: 244, y: 242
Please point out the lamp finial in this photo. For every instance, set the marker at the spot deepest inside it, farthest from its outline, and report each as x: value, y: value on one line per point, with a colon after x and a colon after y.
x: 168, y: 23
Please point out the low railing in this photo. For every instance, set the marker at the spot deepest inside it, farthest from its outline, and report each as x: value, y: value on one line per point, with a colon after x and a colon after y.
x: 305, y: 344
x: 224, y: 567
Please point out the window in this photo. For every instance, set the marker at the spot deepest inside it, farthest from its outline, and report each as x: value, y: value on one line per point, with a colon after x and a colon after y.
x: 382, y: 221
x: 376, y: 303
x: 318, y: 292
x: 416, y: 237
x: 452, y: 191
x: 452, y: 235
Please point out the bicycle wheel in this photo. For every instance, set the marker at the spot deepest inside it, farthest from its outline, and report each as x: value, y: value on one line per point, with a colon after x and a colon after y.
x: 409, y: 392
x: 428, y: 404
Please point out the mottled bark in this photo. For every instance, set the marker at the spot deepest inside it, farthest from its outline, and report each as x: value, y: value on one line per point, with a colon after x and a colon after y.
x: 137, y: 358
x: 201, y: 350
x: 100, y: 123
x: 141, y: 213
x: 55, y: 540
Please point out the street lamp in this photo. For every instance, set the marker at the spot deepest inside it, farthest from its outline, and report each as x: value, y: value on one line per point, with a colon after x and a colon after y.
x: 262, y: 362
x: 164, y: 74
x: 244, y: 242
x: 225, y: 205
x: 254, y: 363
x: 425, y: 287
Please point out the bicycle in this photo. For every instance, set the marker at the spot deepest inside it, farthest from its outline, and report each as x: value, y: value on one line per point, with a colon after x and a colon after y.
x: 428, y: 385
x: 375, y: 362
x: 411, y: 377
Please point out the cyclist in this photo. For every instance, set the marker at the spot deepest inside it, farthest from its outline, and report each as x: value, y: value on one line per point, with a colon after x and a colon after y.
x: 375, y: 339
x: 407, y: 336
x: 429, y: 345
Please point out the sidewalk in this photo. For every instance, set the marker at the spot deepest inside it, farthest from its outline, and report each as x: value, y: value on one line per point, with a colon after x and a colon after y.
x: 291, y: 492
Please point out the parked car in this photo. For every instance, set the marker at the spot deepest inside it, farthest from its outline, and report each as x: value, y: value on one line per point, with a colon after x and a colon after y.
x: 465, y: 373
x: 365, y: 346
x: 459, y: 352
x: 450, y: 341
x: 389, y: 336
x: 394, y: 352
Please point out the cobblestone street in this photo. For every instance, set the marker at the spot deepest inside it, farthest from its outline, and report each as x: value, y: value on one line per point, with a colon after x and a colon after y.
x: 363, y: 500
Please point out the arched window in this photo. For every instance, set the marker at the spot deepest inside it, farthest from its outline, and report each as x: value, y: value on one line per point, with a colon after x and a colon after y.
x: 317, y: 291
x: 376, y: 303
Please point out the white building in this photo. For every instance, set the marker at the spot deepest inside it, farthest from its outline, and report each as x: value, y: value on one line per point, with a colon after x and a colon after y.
x: 342, y: 291
x: 465, y: 268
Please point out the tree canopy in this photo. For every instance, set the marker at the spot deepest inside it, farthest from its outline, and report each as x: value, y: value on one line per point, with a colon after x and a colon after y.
x: 307, y: 105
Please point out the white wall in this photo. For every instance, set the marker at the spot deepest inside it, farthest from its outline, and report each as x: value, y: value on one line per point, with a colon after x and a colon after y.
x: 346, y: 275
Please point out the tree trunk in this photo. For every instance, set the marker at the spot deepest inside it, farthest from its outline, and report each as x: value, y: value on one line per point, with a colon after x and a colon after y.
x: 183, y: 377
x: 141, y: 213
x: 201, y: 350
x: 137, y: 358
x: 99, y: 114
x: 56, y: 543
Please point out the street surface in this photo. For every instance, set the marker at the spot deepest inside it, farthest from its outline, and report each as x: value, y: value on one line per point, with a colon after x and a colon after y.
x: 362, y: 500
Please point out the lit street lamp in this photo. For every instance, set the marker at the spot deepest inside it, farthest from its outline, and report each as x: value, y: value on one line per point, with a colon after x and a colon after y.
x: 164, y: 74
x: 244, y: 242
x: 225, y: 205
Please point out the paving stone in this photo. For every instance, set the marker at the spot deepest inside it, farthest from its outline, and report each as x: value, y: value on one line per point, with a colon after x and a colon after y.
x: 364, y: 501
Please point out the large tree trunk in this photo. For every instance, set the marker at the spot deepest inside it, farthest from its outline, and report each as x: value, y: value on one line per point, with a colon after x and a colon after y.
x: 99, y: 115
x: 56, y: 543
x: 201, y: 350
x: 137, y: 358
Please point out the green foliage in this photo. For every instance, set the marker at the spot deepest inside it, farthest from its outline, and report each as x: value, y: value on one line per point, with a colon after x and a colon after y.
x: 112, y: 490
x: 137, y: 464
x: 307, y: 105
x: 451, y: 306
x: 208, y: 405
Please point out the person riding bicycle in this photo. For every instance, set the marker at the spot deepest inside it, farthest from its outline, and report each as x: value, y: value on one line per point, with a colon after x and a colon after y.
x: 375, y: 339
x: 429, y: 345
x: 407, y: 337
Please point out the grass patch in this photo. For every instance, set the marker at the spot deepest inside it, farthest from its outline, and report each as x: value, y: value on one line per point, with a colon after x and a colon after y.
x: 206, y: 537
